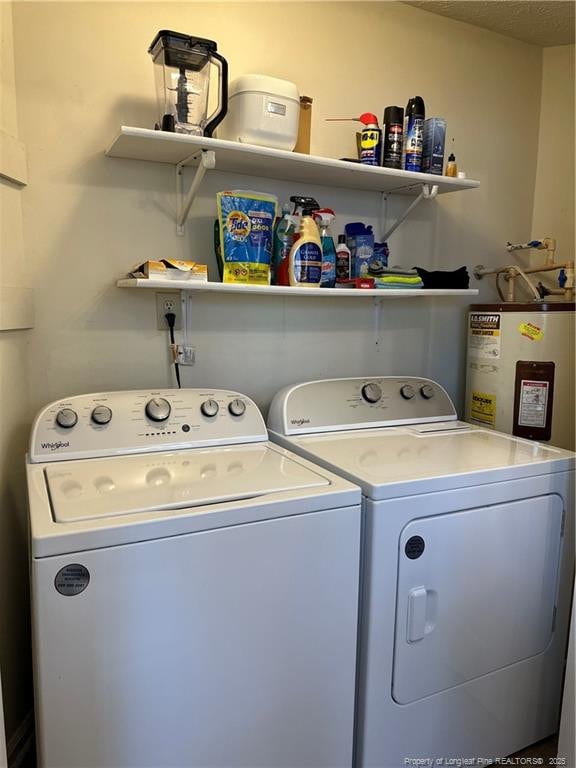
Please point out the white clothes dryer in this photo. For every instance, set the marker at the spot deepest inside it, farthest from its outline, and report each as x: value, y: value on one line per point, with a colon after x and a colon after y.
x: 195, y: 588
x: 467, y: 567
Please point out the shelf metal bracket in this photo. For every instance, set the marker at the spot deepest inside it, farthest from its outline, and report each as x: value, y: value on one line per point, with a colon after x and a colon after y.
x: 428, y: 192
x: 376, y: 314
x: 206, y: 161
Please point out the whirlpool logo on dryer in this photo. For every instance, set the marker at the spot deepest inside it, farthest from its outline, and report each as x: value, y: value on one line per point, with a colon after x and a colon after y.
x: 55, y: 446
x: 299, y: 422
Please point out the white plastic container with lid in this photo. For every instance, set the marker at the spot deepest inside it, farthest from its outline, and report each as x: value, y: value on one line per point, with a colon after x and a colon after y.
x: 262, y: 110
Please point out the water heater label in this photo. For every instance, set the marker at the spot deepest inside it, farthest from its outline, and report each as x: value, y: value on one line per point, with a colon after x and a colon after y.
x: 533, y: 403
x: 483, y: 409
x: 484, y: 337
x: 531, y: 331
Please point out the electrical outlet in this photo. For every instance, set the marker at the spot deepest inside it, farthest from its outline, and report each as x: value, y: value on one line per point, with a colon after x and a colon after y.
x: 168, y: 302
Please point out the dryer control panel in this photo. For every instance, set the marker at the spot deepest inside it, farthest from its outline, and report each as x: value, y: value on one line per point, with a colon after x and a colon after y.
x: 116, y: 423
x: 379, y: 401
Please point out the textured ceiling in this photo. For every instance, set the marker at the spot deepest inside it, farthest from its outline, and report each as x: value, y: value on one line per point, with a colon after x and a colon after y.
x: 539, y: 23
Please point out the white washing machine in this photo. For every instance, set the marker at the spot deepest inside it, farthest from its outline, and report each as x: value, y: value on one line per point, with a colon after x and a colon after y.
x: 195, y: 588
x: 467, y: 567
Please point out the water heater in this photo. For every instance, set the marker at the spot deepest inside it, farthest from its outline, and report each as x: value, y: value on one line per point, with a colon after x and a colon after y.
x: 520, y: 370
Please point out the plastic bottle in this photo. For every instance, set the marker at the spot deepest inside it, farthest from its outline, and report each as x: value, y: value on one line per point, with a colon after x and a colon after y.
x: 451, y: 167
x: 305, y: 259
x: 370, y: 140
x: 343, y: 260
x: 284, y: 236
x: 324, y: 218
x: 413, y: 133
x: 393, y: 131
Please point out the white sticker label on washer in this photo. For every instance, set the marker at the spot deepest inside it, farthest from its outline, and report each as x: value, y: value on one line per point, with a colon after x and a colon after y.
x: 484, y: 338
x: 533, y: 402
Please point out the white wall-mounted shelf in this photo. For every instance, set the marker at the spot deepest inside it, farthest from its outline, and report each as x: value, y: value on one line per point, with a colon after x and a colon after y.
x: 188, y: 288
x: 280, y: 290
x: 231, y: 156
x: 181, y: 151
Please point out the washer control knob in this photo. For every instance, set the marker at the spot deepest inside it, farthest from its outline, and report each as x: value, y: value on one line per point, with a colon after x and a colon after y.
x: 427, y: 391
x: 407, y: 391
x: 158, y: 409
x: 66, y: 418
x: 101, y: 415
x: 237, y: 407
x: 209, y: 408
x: 371, y: 392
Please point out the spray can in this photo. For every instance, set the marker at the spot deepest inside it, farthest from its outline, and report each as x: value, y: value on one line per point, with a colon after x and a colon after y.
x: 393, y: 132
x: 370, y: 140
x: 414, y: 133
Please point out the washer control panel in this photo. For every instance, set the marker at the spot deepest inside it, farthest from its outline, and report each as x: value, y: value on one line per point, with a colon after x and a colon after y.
x: 381, y: 401
x: 115, y: 423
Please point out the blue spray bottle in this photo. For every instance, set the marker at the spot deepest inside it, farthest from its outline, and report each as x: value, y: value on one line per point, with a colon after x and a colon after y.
x: 324, y: 218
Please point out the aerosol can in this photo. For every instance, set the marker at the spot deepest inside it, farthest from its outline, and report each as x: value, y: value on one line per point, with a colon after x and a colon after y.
x: 370, y: 149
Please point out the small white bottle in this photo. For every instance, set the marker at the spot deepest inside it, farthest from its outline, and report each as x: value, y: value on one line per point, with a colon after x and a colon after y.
x: 343, y: 260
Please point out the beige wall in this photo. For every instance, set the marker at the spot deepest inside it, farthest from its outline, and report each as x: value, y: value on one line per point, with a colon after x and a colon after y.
x: 14, y: 420
x: 82, y: 70
x: 90, y: 218
x: 554, y: 193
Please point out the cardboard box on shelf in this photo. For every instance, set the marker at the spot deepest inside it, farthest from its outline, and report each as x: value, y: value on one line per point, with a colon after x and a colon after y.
x: 171, y: 269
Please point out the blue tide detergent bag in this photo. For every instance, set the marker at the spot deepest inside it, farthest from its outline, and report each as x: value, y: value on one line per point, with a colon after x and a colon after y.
x: 246, y: 223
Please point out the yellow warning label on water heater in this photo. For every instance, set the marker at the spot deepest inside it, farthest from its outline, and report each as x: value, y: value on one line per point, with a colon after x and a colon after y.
x: 531, y: 331
x: 483, y: 409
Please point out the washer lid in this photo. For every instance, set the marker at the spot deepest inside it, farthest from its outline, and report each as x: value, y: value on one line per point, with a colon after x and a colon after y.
x: 112, y: 487
x: 392, y: 461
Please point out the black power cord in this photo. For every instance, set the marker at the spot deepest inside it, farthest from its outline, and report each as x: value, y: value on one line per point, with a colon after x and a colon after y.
x: 171, y: 320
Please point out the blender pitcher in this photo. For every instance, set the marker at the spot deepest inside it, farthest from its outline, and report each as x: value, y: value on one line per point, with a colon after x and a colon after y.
x: 182, y: 66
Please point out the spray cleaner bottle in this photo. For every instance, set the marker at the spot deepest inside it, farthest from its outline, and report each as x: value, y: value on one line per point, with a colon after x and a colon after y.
x: 285, y: 235
x: 305, y: 259
x: 324, y: 218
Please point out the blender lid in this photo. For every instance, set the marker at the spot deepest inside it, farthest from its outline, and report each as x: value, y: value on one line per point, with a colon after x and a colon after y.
x: 182, y: 50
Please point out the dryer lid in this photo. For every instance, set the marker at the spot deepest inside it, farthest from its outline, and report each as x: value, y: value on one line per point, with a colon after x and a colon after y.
x: 112, y: 487
x: 401, y: 460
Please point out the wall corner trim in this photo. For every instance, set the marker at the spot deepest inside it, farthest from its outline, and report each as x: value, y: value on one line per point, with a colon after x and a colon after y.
x: 13, y: 164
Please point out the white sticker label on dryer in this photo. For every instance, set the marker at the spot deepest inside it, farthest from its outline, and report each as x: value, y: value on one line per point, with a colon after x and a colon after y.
x: 484, y: 338
x: 533, y: 402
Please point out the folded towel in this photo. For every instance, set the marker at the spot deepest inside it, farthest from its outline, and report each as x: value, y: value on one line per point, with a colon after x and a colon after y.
x: 397, y: 270
x: 399, y: 279
x: 400, y: 286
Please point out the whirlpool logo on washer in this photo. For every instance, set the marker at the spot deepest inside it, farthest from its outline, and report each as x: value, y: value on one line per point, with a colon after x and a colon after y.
x: 55, y: 446
x: 299, y: 422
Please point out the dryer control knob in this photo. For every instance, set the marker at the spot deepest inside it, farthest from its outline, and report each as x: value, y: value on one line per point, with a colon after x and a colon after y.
x: 158, y: 409
x: 427, y: 391
x: 209, y: 408
x: 407, y: 391
x: 101, y: 415
x: 237, y: 407
x: 371, y: 392
x: 66, y: 418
